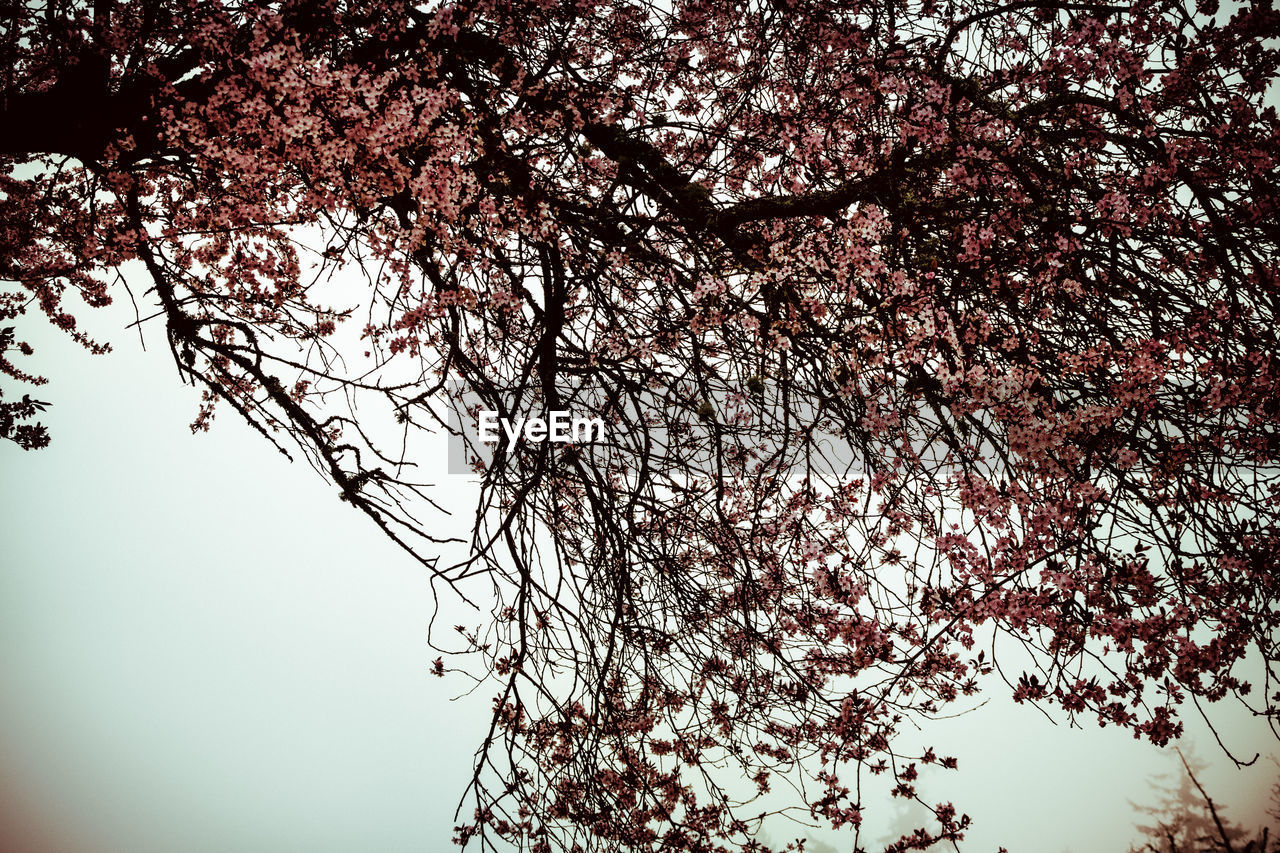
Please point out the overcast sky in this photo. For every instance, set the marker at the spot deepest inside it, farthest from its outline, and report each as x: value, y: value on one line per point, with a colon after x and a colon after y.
x: 202, y: 649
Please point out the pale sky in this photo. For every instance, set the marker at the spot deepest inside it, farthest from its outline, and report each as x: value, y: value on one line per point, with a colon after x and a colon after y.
x: 202, y: 649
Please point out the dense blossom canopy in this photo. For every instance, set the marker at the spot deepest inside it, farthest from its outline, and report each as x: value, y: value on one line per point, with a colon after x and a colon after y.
x: 937, y: 343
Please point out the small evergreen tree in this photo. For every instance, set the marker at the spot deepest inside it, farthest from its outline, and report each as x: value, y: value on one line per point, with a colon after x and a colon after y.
x: 1187, y: 820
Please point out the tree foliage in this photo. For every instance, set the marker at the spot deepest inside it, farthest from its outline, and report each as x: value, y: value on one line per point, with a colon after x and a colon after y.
x: 1187, y: 820
x: 937, y: 344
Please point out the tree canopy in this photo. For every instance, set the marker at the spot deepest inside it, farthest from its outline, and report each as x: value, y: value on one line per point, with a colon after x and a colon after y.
x: 1186, y: 820
x: 936, y: 344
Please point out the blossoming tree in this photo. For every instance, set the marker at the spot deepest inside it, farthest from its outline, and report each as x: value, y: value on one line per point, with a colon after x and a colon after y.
x: 936, y: 341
